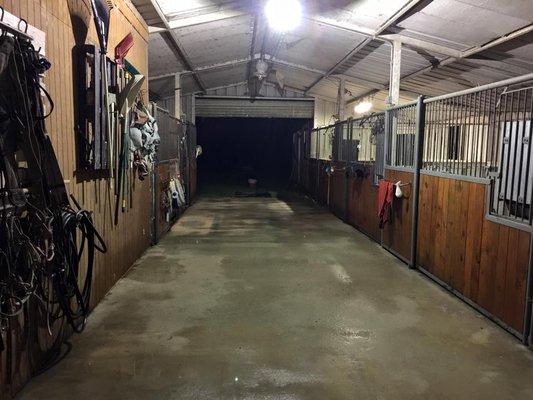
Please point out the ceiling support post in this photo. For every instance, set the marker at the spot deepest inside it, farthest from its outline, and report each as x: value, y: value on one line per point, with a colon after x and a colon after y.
x: 395, y: 73
x: 341, y: 99
x: 177, y: 95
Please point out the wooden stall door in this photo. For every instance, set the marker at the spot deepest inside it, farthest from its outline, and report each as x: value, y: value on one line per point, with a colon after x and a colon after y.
x: 337, y: 190
x: 397, y: 232
x: 312, y: 178
x: 484, y: 262
x: 324, y: 183
x: 362, y: 202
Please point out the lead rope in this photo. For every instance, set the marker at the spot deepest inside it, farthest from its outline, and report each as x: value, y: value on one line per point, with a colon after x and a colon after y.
x: 40, y: 257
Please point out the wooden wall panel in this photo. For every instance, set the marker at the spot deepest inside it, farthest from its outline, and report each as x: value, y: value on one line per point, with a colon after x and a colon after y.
x: 126, y: 241
x: 323, y: 183
x: 484, y: 261
x: 363, y: 205
x: 304, y: 177
x: 163, y: 176
x: 397, y: 233
x: 311, y: 177
x: 337, y: 198
x: 194, y: 179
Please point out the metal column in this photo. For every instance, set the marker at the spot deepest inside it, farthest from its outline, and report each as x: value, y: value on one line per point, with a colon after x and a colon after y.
x: 153, y: 182
x: 177, y: 95
x: 417, y: 165
x: 341, y: 99
x: 528, y: 317
x: 395, y: 73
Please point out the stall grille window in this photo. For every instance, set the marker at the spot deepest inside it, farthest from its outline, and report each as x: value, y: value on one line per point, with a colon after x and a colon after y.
x: 512, y: 188
x: 454, y: 134
x: 461, y: 134
x: 401, y: 135
x: 512, y: 181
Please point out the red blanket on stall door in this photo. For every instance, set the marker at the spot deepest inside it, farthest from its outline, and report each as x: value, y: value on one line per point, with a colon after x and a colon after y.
x: 385, y: 197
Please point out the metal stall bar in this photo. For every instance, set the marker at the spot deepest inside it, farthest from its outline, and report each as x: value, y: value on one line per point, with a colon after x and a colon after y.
x: 495, y: 85
x: 400, y: 136
x: 417, y: 164
x: 317, y: 153
x: 492, y: 146
x: 347, y: 158
x: 153, y: 182
x: 483, y: 136
x: 527, y: 137
x: 528, y: 316
x: 386, y: 145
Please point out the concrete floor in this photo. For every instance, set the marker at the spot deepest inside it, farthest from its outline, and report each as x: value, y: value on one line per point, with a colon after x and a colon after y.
x: 265, y: 299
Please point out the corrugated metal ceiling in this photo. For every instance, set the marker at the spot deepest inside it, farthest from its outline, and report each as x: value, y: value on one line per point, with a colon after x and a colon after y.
x: 161, y: 60
x: 469, y: 22
x: 219, y: 46
x: 218, y: 41
x: 315, y: 45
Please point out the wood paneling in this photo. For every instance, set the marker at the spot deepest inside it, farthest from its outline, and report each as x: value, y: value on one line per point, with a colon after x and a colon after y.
x: 363, y: 204
x: 323, y: 183
x: 484, y: 261
x: 126, y: 241
x: 193, y: 186
x: 312, y: 177
x: 162, y: 183
x: 337, y: 190
x: 304, y: 177
x: 397, y: 232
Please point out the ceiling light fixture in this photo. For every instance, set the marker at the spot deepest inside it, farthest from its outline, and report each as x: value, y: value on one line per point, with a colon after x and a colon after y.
x: 283, y: 15
x: 363, y: 107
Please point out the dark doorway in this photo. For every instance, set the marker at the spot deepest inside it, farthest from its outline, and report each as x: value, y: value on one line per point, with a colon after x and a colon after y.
x: 236, y: 149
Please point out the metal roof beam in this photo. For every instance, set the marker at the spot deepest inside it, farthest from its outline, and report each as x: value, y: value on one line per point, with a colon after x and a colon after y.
x: 198, y: 20
x: 273, y: 60
x: 407, y: 9
x: 173, y: 43
x: 496, y: 42
x: 465, y: 54
x: 421, y: 44
x: 242, y: 83
x: 332, y: 70
x: 207, y: 68
x: 255, y: 22
x: 345, y: 26
x: 193, y: 17
x: 349, y: 79
x: 180, y: 54
x: 387, y: 38
x: 205, y: 18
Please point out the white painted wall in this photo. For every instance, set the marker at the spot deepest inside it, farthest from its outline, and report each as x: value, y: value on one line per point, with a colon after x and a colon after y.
x: 324, y: 112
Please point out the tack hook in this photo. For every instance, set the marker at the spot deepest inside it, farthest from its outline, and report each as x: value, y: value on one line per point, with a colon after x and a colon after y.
x: 25, y: 25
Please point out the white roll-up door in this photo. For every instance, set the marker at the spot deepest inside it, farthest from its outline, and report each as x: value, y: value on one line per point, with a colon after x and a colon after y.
x: 260, y: 108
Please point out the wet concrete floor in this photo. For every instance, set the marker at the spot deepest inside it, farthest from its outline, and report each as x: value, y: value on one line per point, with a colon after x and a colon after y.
x: 266, y: 299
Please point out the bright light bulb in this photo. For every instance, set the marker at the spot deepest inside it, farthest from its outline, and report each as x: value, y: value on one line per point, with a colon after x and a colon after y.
x: 363, y: 107
x: 283, y: 15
